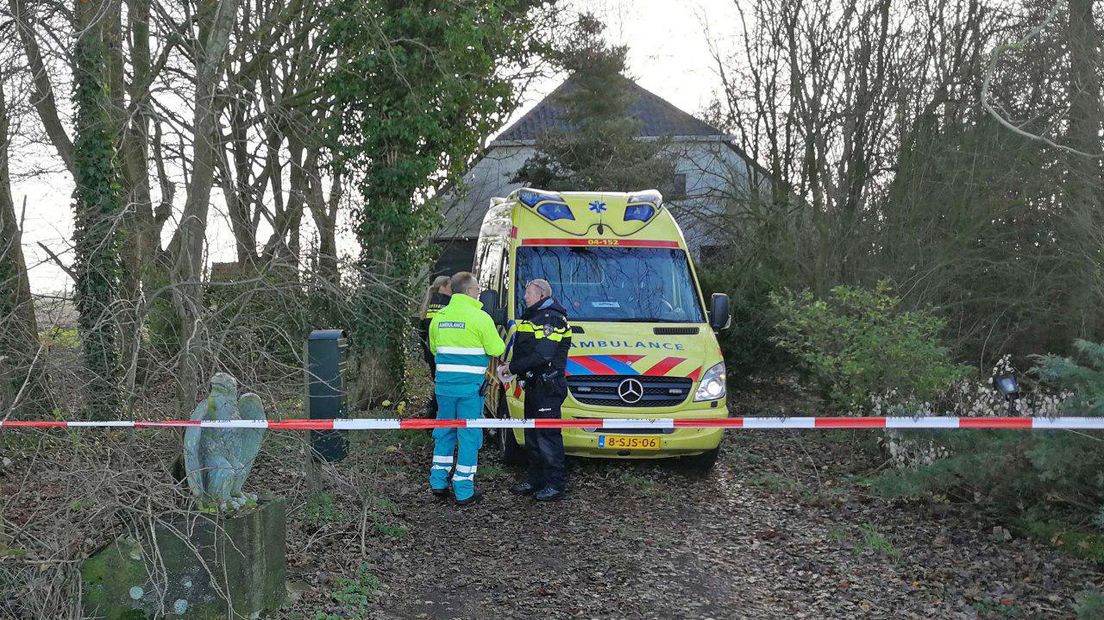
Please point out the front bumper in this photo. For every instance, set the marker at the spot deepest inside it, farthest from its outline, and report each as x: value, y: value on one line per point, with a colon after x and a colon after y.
x: 673, y: 442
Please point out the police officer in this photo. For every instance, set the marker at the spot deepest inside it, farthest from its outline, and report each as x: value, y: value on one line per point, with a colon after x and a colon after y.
x: 542, y: 340
x: 463, y: 339
x: 436, y: 297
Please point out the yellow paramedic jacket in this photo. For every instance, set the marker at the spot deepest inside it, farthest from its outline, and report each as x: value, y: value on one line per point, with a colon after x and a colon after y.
x: 463, y: 339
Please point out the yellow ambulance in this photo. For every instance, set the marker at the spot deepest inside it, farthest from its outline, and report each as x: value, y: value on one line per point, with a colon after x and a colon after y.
x: 642, y: 343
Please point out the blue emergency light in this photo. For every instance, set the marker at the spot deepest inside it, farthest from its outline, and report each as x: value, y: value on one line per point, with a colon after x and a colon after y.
x: 556, y: 211
x: 641, y: 213
x: 531, y: 197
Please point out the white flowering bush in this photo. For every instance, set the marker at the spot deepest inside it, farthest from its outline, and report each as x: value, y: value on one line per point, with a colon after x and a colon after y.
x: 1035, y: 479
x: 969, y: 397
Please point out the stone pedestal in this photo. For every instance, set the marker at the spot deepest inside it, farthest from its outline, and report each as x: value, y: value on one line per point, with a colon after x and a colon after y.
x: 204, y: 566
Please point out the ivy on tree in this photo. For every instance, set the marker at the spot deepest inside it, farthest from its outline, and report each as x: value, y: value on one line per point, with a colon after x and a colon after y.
x: 97, y: 210
x: 415, y: 88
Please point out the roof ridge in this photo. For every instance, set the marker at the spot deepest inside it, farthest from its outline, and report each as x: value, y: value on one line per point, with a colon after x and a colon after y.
x: 658, y: 117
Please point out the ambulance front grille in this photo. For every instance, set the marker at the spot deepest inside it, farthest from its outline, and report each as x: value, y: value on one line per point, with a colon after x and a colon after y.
x: 602, y: 390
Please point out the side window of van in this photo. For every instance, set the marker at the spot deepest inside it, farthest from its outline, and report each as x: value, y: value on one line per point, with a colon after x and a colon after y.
x: 487, y: 267
x: 504, y: 282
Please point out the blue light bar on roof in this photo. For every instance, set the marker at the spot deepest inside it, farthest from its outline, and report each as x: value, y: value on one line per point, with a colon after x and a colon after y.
x: 556, y: 211
x: 641, y: 213
x: 532, y: 197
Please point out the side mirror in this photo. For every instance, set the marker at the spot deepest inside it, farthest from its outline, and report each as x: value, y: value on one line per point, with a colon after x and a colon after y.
x: 719, y: 315
x: 489, y: 300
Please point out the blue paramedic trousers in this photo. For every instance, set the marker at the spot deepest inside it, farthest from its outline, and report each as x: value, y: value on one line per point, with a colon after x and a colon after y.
x: 463, y: 442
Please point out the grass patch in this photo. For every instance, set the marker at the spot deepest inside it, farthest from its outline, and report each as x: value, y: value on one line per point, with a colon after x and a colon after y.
x: 63, y: 338
x: 774, y: 482
x: 873, y: 540
x: 638, y: 484
x: 322, y: 509
x: 354, y: 595
x: 990, y: 608
x: 1079, y: 543
x: 491, y: 472
x: 383, y: 513
x: 1090, y: 605
x: 11, y: 552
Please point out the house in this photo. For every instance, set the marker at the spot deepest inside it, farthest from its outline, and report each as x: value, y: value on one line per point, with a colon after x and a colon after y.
x: 711, y: 171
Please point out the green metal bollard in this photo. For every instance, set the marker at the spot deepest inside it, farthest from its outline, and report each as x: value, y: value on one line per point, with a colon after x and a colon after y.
x: 326, y: 389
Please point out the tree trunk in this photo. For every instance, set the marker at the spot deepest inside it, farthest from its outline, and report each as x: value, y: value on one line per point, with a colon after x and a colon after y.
x: 1083, y: 188
x: 22, y: 377
x: 325, y: 218
x: 43, y: 95
x: 217, y: 19
x: 97, y: 216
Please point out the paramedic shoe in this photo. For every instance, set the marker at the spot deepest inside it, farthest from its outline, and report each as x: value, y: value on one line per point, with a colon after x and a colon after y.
x: 524, y: 488
x: 440, y: 493
x: 474, y: 499
x: 549, y: 494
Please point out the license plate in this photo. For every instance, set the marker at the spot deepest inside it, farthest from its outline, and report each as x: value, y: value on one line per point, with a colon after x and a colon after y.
x: 628, y: 442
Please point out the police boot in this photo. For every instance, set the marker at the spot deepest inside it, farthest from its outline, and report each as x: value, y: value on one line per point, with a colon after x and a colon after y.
x: 524, y: 488
x: 549, y: 494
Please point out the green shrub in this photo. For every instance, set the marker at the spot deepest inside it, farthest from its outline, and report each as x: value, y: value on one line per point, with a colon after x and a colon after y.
x: 746, y: 344
x: 857, y: 343
x: 1050, y: 484
x: 1090, y: 606
x: 1086, y: 383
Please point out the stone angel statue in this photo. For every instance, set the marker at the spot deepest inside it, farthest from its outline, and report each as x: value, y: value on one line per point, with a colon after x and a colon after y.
x: 217, y: 460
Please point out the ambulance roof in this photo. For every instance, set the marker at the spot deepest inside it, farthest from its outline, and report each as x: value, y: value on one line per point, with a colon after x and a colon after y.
x: 593, y: 215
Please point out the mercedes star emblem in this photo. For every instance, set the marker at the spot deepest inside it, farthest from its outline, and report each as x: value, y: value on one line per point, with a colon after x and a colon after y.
x: 630, y: 391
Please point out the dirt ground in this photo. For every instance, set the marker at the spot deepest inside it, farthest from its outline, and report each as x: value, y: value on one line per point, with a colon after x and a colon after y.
x: 781, y: 528
x: 777, y: 530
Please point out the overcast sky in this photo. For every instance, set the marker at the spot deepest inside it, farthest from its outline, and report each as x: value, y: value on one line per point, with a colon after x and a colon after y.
x: 668, y: 55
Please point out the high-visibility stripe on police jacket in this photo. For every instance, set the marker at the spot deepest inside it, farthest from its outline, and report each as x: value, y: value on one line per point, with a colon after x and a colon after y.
x: 542, y: 340
x: 463, y: 339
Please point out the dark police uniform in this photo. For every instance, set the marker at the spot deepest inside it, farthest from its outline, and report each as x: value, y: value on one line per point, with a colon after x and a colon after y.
x: 541, y: 343
x: 436, y: 302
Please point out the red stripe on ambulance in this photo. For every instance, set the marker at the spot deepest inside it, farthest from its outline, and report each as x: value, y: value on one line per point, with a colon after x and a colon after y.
x: 664, y: 366
x: 593, y: 365
x: 597, y: 243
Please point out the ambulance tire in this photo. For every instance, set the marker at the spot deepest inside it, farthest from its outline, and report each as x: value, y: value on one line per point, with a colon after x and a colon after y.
x: 700, y: 464
x: 508, y: 449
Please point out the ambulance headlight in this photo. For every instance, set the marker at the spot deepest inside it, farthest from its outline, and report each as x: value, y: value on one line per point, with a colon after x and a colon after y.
x: 712, y: 386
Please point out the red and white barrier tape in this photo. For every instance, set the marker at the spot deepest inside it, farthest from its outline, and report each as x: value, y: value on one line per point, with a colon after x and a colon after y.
x: 931, y: 422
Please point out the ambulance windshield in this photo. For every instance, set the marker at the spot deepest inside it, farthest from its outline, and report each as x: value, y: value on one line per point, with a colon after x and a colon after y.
x: 613, y: 284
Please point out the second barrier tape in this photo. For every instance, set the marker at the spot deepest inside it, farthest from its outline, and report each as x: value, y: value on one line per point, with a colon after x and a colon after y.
x: 746, y: 423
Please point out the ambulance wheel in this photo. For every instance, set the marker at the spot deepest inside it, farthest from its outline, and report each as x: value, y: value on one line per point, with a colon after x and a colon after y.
x: 508, y: 449
x: 700, y: 464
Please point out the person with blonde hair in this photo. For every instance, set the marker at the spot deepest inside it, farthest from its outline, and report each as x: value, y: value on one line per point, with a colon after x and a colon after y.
x: 436, y: 297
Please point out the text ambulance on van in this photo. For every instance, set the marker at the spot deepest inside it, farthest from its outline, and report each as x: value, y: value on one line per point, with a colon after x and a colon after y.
x: 642, y: 344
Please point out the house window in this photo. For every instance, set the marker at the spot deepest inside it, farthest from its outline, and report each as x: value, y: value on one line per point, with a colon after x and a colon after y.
x: 679, y: 186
